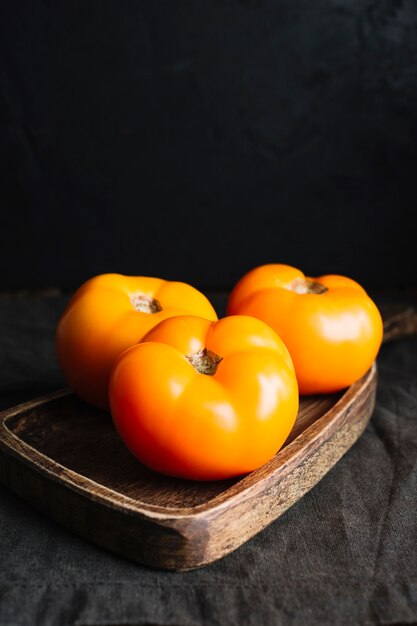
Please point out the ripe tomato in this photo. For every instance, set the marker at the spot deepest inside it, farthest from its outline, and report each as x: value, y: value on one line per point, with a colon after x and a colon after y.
x: 331, y: 327
x: 110, y: 313
x: 205, y: 400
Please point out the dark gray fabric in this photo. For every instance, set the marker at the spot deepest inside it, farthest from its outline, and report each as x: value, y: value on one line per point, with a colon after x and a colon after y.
x: 345, y: 554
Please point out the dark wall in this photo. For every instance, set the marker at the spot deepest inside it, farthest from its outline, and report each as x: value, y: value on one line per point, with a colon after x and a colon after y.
x: 194, y: 140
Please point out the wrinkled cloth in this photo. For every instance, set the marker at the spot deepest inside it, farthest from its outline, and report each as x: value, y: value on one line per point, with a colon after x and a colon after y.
x: 346, y: 553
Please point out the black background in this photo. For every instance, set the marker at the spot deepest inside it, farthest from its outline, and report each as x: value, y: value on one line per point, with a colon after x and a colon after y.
x: 195, y: 140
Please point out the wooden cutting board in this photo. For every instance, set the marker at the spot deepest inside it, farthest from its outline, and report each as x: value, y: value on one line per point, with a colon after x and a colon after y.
x: 66, y: 459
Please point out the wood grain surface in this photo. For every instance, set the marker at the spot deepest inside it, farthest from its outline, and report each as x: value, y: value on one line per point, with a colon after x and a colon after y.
x: 66, y: 459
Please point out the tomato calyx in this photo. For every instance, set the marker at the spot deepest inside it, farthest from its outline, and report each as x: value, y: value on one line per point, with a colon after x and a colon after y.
x: 145, y: 304
x: 307, y: 285
x: 204, y: 361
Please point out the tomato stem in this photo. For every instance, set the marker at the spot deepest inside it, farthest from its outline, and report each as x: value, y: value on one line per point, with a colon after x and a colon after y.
x: 145, y: 304
x: 204, y: 361
x: 306, y: 285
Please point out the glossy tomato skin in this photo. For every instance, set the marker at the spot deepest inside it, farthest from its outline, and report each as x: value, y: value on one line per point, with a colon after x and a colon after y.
x: 188, y: 424
x: 101, y: 321
x: 333, y: 336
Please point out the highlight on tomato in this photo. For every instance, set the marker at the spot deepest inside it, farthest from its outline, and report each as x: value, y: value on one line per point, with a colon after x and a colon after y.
x: 331, y: 327
x: 203, y: 399
x: 108, y: 314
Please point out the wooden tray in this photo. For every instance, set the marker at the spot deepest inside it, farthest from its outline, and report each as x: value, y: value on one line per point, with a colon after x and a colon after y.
x: 65, y: 458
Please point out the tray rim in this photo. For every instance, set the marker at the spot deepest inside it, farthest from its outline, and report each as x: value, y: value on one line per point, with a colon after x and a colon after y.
x: 246, y: 487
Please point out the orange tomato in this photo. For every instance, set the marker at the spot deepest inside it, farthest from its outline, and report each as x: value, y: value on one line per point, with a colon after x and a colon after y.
x: 110, y: 313
x: 205, y: 400
x: 331, y: 327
